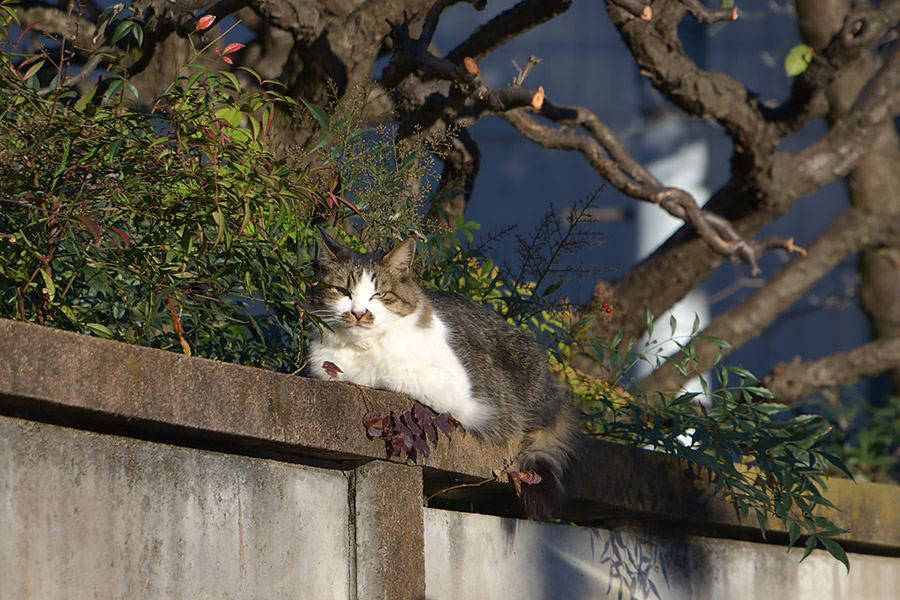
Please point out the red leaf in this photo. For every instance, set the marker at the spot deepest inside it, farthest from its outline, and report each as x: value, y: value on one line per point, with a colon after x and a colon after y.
x: 375, y: 425
x: 331, y: 368
x: 513, y: 477
x: 122, y: 234
x: 24, y: 31
x: 409, y: 422
x: 529, y: 477
x: 228, y: 60
x: 406, y: 436
x: 91, y: 226
x: 446, y: 423
x: 350, y: 204
x: 205, y: 22
x: 397, y: 446
x: 232, y: 47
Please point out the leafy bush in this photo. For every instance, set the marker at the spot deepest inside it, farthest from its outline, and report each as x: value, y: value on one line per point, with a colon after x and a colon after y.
x: 171, y: 229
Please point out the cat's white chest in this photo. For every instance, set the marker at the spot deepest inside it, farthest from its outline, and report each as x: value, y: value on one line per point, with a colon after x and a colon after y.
x: 406, y: 358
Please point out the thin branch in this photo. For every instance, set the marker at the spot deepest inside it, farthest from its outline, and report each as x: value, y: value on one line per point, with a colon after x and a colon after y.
x: 429, y: 27
x: 525, y: 71
x: 714, y: 229
x: 86, y: 70
x: 798, y: 379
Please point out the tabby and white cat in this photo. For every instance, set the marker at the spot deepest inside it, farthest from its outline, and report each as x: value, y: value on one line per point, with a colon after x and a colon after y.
x: 447, y: 352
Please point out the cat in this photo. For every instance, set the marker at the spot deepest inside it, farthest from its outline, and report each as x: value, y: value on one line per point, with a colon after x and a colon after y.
x: 447, y: 352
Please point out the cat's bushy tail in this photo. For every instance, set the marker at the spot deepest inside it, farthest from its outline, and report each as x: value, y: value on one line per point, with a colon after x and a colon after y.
x: 553, y: 452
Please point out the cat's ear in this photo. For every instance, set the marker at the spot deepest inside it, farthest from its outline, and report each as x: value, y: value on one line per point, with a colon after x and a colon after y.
x: 328, y: 247
x: 400, y: 258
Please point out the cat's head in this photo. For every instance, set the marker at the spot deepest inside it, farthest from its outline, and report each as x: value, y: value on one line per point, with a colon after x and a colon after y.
x: 358, y: 294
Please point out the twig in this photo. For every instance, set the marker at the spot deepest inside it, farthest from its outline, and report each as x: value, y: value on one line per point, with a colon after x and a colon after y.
x: 460, y: 486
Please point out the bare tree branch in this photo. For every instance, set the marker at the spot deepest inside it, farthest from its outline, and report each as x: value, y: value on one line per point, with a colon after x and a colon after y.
x: 851, y: 232
x: 848, y: 140
x: 708, y: 94
x: 524, y: 16
x: 707, y: 15
x: 834, y: 55
x: 798, y: 379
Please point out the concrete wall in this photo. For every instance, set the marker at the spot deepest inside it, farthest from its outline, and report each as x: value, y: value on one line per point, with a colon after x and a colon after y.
x: 85, y: 515
x: 480, y: 556
x: 127, y: 472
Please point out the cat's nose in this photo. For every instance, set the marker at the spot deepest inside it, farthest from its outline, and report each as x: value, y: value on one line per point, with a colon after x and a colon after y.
x: 359, y: 314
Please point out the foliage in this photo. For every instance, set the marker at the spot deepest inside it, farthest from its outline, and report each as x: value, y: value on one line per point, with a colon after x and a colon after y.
x: 410, y: 432
x: 734, y: 434
x: 383, y: 180
x: 171, y: 229
x: 867, y: 439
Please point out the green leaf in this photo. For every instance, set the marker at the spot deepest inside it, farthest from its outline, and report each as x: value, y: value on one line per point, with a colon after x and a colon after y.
x: 253, y: 73
x: 318, y: 114
x: 837, y: 462
x: 230, y: 114
x: 793, y: 534
x: 811, y: 544
x: 114, y: 87
x: 48, y: 283
x: 100, y: 330
x: 798, y: 59
x: 122, y: 29
x: 323, y: 139
x: 716, y: 341
x: 33, y: 69
x: 836, y: 551
x: 82, y: 102
x: 232, y: 80
x: 552, y: 288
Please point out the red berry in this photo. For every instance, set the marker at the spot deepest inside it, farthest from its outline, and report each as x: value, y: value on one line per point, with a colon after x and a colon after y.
x: 608, y: 309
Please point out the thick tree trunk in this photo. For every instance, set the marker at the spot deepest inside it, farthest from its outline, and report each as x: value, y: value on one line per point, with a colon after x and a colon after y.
x: 874, y: 182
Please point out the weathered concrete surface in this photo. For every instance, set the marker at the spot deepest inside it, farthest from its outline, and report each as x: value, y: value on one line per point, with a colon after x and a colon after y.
x: 390, y: 539
x: 50, y: 372
x: 86, y: 515
x: 474, y: 557
x: 58, y: 370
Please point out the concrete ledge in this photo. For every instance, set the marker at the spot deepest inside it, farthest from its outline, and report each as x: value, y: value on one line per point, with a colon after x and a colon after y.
x: 65, y: 378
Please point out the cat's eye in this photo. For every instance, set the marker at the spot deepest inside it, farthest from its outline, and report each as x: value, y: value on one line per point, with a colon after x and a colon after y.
x: 340, y: 290
x: 379, y: 295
